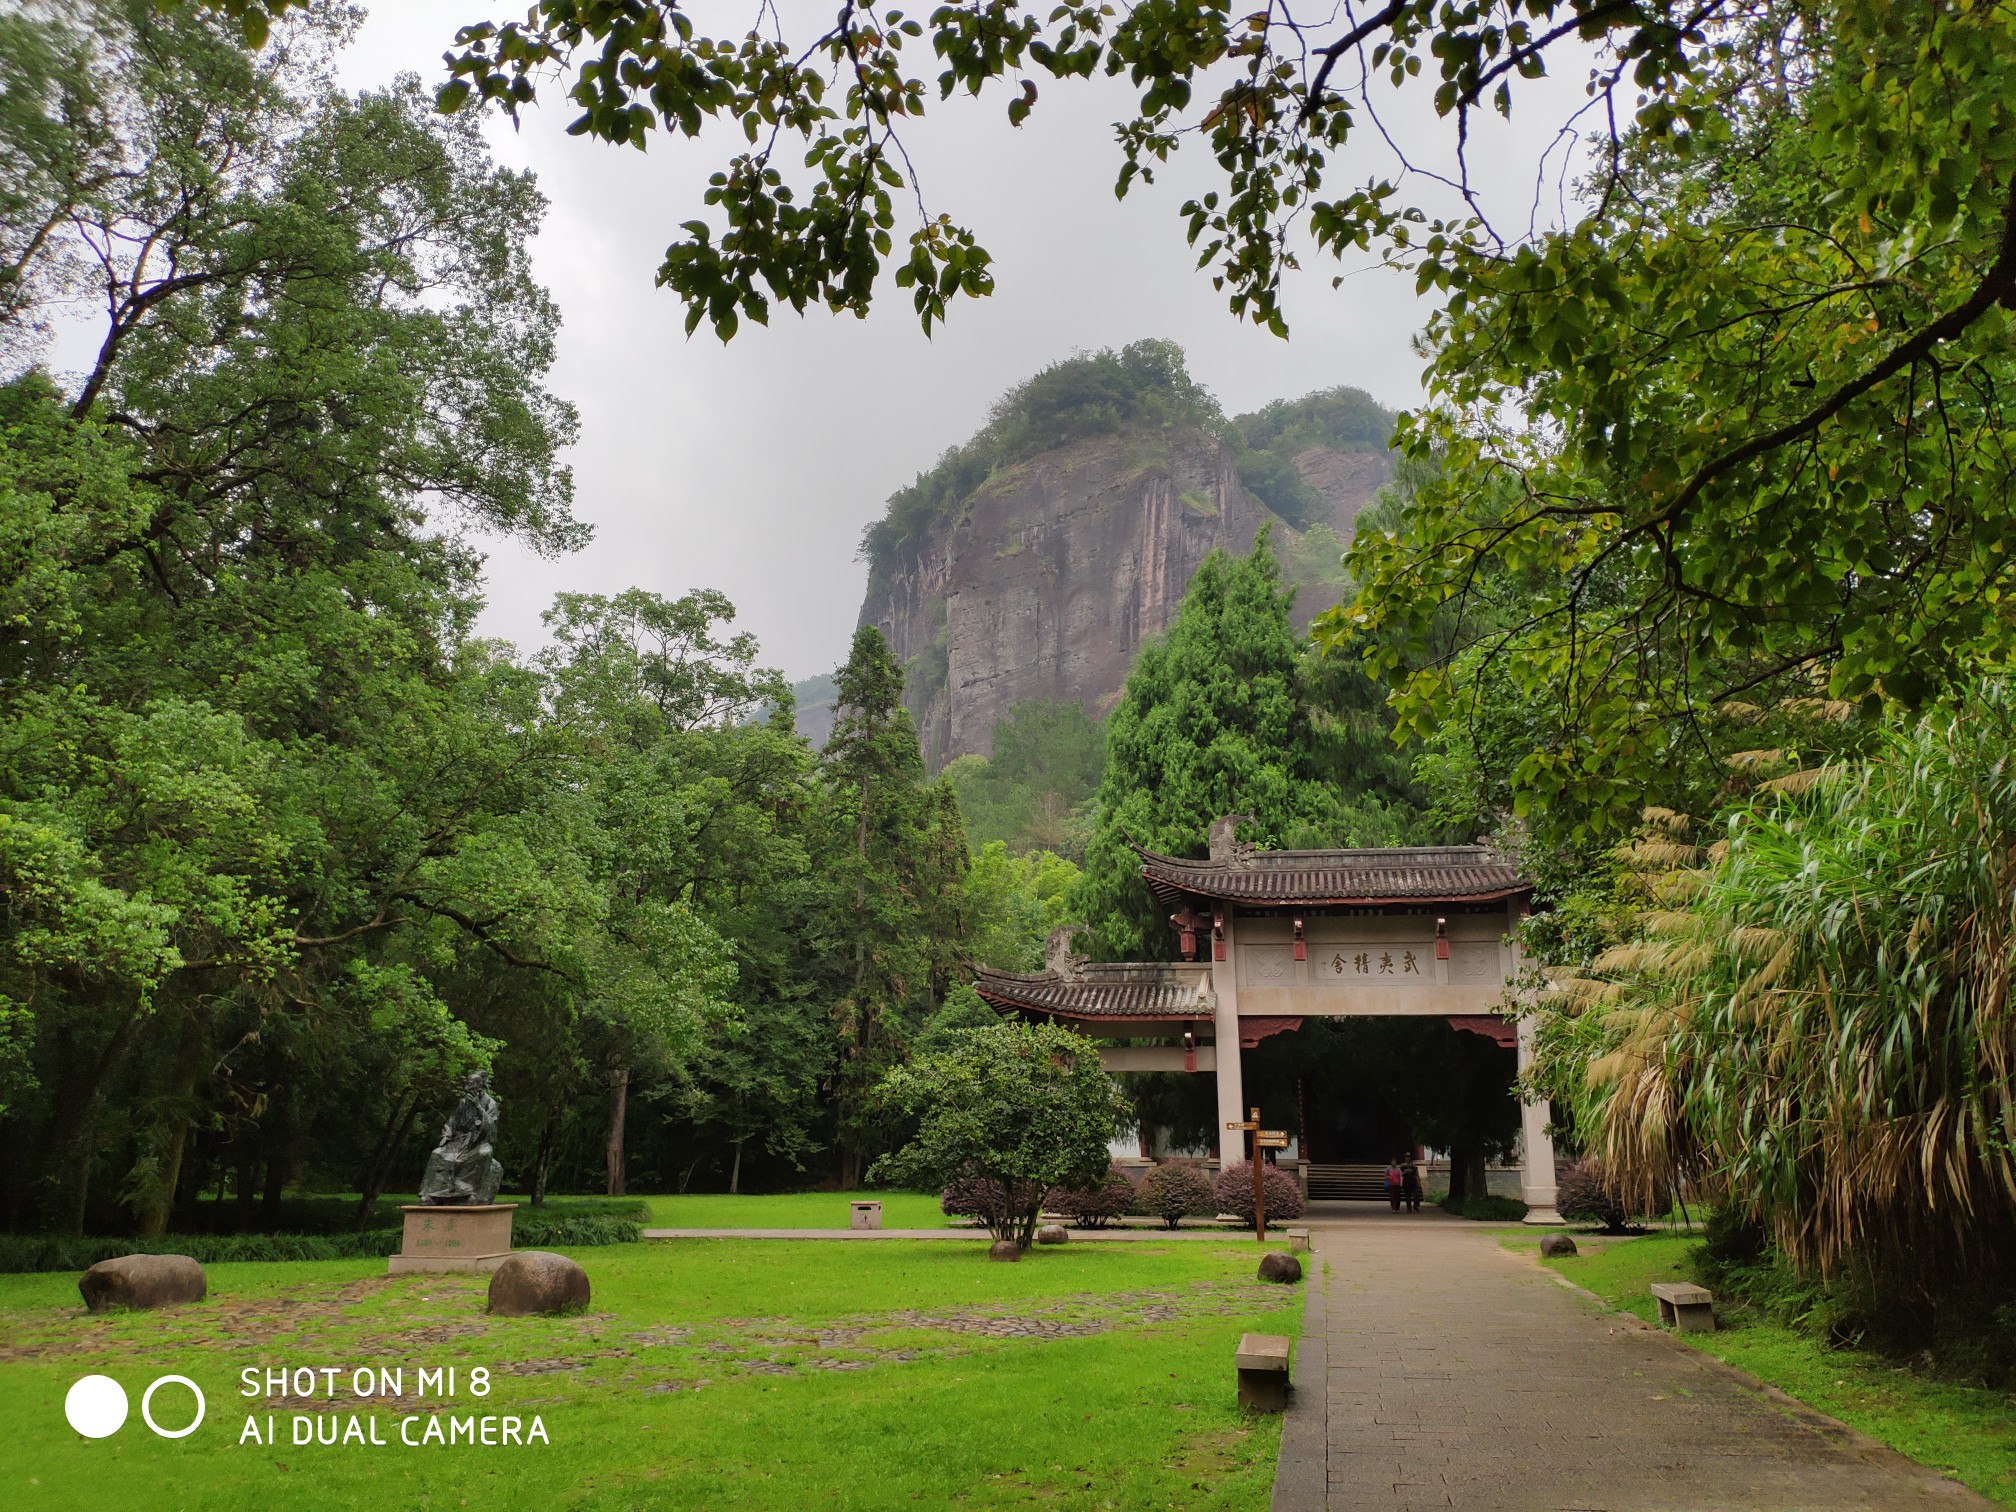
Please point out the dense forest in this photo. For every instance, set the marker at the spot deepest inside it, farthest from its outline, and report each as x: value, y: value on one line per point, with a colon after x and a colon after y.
x: 285, y: 850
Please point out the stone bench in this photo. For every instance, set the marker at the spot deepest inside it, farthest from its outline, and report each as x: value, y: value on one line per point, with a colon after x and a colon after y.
x: 1685, y: 1308
x: 1298, y: 1241
x: 1262, y: 1362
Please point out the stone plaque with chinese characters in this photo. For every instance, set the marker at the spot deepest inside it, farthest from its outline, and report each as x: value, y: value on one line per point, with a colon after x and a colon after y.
x: 1387, y: 964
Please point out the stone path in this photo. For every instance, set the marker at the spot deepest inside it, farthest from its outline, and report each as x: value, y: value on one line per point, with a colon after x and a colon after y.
x: 1078, y: 1236
x: 1438, y: 1369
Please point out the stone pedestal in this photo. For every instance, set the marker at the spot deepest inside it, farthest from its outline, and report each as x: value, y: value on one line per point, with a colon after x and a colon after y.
x: 864, y: 1215
x: 448, y: 1237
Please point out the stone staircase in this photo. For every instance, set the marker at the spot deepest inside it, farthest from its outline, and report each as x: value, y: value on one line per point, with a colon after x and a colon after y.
x: 1347, y: 1183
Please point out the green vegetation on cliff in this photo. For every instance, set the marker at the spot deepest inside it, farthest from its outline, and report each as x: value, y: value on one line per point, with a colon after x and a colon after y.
x: 1143, y: 386
x: 1036, y: 790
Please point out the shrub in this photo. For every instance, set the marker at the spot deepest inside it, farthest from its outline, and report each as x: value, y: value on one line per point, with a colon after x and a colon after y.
x: 532, y: 1229
x: 1020, y: 1107
x: 1486, y: 1209
x: 1233, y: 1192
x: 979, y: 1197
x: 1095, y: 1206
x: 1173, y: 1191
x: 1580, y: 1191
x: 70, y: 1252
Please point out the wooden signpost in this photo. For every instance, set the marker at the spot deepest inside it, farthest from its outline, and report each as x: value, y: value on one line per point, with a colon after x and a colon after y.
x: 1263, y: 1139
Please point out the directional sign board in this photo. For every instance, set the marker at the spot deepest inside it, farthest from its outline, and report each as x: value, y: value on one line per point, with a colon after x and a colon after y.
x: 1271, y: 1139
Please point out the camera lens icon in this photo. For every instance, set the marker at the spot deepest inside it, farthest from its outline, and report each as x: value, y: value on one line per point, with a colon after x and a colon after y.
x: 96, y: 1406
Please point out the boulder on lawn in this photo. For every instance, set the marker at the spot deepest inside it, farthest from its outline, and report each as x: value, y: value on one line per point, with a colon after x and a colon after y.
x: 1004, y: 1249
x: 1556, y: 1244
x: 1052, y: 1233
x: 531, y: 1282
x: 1276, y: 1266
x: 142, y: 1281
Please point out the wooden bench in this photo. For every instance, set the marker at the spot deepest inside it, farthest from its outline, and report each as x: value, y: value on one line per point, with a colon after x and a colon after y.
x: 1685, y: 1308
x: 1262, y: 1362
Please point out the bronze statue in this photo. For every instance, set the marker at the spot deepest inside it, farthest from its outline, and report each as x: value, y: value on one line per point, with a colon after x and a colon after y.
x: 460, y: 1170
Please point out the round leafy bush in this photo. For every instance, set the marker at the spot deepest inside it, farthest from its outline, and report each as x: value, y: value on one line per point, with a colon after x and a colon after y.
x: 1173, y: 1191
x: 1234, y: 1192
x: 980, y: 1197
x: 1581, y: 1190
x: 1097, y: 1205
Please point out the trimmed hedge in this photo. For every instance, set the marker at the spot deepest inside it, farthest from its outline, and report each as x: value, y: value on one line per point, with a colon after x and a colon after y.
x: 1486, y: 1209
x: 531, y: 1229
x: 1173, y: 1191
x: 1233, y: 1192
x: 68, y: 1252
x: 1096, y: 1206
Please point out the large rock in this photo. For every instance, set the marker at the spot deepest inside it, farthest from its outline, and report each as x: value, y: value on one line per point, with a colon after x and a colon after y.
x: 1004, y: 1249
x: 1052, y: 1233
x: 1557, y: 1244
x: 143, y: 1281
x: 1046, y: 580
x: 1275, y: 1266
x: 533, y: 1281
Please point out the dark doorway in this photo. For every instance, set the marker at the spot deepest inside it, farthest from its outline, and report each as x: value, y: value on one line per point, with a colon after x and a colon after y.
x: 1364, y: 1091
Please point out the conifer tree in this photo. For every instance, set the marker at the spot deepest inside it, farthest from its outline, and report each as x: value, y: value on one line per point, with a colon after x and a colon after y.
x: 895, y: 861
x: 1212, y: 722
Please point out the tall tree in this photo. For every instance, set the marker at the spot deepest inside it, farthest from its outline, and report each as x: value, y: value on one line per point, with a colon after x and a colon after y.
x: 243, y: 747
x: 1212, y: 722
x: 893, y: 861
x: 683, y: 790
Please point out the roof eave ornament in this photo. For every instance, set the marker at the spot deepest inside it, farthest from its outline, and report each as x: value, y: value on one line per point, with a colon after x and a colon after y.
x: 1059, y: 959
x: 1227, y: 848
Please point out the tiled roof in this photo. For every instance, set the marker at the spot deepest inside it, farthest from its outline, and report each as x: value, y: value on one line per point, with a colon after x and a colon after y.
x: 1429, y: 873
x: 1109, y: 990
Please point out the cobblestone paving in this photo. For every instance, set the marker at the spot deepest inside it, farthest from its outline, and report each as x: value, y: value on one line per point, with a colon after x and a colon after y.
x: 1440, y: 1370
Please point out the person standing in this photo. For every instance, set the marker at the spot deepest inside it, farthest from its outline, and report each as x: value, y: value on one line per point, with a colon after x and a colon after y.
x: 1410, y: 1185
x: 1395, y: 1185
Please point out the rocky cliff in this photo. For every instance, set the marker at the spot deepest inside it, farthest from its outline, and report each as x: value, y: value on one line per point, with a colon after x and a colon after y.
x: 1043, y: 581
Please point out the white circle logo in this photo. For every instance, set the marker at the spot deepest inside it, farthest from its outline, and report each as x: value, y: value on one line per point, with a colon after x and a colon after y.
x: 96, y: 1406
x: 147, y: 1401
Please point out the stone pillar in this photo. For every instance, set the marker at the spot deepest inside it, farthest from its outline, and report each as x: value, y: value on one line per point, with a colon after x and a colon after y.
x: 1225, y: 1026
x: 1536, y: 1171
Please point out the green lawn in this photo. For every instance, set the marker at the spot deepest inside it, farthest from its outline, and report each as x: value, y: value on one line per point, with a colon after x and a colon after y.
x: 1967, y: 1431
x: 812, y: 1210
x: 708, y: 1373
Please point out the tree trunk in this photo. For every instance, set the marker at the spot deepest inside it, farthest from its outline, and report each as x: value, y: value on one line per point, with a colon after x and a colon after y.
x: 542, y: 1161
x: 390, y: 1138
x: 1467, y: 1180
x: 619, y: 1099
x: 279, y: 1157
x: 276, y: 1188
x: 247, y: 1164
x: 735, y: 1172
x: 850, y: 1170
x: 73, y: 1135
x: 172, y: 1135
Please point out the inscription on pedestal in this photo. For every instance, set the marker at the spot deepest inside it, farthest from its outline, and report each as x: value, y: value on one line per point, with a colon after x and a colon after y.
x: 466, y: 1237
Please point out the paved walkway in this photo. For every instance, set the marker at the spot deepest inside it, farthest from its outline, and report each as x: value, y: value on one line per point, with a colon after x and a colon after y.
x: 1078, y: 1236
x: 1438, y: 1369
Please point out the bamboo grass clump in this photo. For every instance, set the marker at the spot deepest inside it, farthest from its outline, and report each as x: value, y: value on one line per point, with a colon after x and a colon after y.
x: 1816, y: 1021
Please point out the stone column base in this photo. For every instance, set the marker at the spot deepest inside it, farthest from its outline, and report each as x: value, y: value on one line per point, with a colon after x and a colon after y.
x: 1540, y: 1208
x: 448, y: 1237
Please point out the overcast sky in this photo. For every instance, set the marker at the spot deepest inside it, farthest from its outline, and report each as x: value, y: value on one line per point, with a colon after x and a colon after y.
x: 753, y: 468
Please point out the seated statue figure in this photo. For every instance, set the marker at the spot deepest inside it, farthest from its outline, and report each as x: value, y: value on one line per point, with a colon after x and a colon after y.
x: 460, y: 1170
